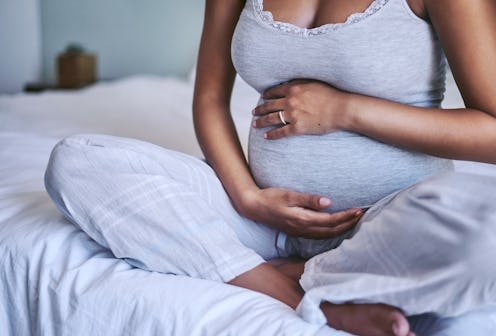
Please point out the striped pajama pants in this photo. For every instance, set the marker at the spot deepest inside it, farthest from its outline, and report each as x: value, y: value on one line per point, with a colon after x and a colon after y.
x: 428, y: 248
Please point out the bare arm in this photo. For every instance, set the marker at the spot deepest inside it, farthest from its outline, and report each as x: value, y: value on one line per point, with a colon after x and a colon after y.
x: 466, y: 31
x: 214, y: 81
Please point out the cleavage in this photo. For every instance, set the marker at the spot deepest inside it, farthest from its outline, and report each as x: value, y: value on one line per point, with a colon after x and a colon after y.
x: 311, y: 14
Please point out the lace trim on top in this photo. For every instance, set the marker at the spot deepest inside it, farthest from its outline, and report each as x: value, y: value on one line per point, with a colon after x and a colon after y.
x: 267, y: 17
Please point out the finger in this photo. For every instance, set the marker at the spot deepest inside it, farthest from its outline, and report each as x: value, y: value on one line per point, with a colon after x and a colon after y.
x: 344, y: 227
x: 280, y: 132
x: 346, y: 215
x: 278, y: 91
x: 309, y: 201
x: 319, y: 232
x: 271, y: 119
x: 327, y: 220
x: 282, y: 90
x: 268, y: 107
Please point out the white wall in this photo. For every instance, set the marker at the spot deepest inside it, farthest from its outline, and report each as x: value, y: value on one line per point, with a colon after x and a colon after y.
x: 20, y: 44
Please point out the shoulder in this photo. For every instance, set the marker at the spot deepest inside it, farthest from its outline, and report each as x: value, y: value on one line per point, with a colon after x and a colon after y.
x: 425, y: 9
x: 470, y: 47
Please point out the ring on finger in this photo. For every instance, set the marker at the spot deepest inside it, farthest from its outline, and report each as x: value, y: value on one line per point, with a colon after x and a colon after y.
x: 281, y: 117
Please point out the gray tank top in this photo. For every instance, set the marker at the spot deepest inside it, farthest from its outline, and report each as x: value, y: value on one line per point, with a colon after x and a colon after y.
x: 386, y: 52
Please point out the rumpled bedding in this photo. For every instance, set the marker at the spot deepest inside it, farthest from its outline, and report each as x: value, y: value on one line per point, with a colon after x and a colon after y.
x: 54, y: 280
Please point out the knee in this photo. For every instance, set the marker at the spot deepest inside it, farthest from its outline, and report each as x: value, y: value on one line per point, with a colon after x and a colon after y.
x: 462, y: 202
x: 65, y: 159
x: 74, y: 152
x: 456, y: 190
x: 62, y: 159
x: 458, y: 213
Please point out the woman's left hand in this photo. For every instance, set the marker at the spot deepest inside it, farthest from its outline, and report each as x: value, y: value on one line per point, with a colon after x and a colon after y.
x: 307, y: 107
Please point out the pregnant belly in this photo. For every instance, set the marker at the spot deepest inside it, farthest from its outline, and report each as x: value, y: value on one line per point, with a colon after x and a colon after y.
x: 352, y: 170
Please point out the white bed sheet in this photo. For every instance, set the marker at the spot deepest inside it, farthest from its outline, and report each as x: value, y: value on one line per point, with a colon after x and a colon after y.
x: 54, y: 280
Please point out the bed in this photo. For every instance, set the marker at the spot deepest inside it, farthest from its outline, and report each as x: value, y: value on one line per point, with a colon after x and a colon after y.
x: 54, y: 280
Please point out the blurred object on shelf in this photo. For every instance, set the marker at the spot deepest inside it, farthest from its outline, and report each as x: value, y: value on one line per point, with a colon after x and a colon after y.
x: 76, y: 67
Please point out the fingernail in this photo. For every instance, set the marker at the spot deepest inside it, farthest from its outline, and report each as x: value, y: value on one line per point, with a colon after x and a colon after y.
x: 253, y: 111
x: 324, y: 202
x: 265, y: 136
x: 358, y: 213
x: 254, y: 124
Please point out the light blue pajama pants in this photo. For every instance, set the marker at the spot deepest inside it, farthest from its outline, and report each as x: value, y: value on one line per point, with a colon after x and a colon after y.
x: 429, y: 248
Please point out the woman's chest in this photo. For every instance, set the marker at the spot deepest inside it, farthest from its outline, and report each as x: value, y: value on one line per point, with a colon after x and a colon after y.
x: 313, y: 13
x: 383, y: 51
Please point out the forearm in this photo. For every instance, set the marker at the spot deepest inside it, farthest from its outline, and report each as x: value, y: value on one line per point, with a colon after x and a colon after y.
x: 464, y: 134
x: 214, y: 127
x: 220, y: 144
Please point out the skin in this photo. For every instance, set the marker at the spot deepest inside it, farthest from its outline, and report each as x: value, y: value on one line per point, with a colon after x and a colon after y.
x: 313, y: 107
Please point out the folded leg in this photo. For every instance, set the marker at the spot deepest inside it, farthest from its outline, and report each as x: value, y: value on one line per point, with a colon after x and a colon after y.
x: 430, y: 248
x: 158, y: 209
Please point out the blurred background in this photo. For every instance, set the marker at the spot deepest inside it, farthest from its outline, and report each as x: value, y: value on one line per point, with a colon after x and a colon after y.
x: 128, y: 37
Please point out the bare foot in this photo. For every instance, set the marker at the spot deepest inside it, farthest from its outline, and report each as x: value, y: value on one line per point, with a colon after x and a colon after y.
x: 279, y: 279
x: 367, y: 319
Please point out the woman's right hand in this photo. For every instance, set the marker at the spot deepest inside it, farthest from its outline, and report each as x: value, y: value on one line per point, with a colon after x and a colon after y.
x: 298, y: 214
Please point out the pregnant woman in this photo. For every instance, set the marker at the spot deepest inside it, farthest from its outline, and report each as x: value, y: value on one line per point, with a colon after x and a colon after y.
x: 349, y: 119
